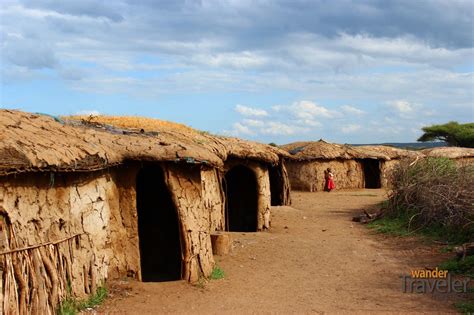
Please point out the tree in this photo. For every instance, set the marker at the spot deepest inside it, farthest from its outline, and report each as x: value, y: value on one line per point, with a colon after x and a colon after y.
x: 455, y: 134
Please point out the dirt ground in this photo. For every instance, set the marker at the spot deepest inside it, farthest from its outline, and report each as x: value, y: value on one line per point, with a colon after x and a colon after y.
x: 313, y: 260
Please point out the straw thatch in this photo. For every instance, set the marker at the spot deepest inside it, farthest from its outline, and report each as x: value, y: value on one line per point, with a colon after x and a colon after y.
x: 35, y: 142
x: 223, y: 147
x: 322, y: 150
x: 389, y: 153
x: 450, y: 152
x: 31, y: 142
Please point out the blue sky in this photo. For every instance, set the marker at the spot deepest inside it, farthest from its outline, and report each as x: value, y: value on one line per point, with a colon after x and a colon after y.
x: 272, y: 71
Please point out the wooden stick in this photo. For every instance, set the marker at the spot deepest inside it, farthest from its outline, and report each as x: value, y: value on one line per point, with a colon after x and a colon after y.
x: 39, y: 245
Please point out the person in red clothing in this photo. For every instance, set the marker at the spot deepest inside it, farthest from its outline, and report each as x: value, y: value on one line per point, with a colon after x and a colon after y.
x: 329, y: 180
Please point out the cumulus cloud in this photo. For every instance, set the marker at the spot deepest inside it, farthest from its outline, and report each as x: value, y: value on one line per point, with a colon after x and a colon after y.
x: 241, y: 129
x: 249, y: 111
x: 359, y: 53
x: 350, y: 128
x: 352, y: 110
x: 402, y: 106
x: 406, y: 109
x: 305, y: 110
x: 253, y: 122
x: 279, y: 128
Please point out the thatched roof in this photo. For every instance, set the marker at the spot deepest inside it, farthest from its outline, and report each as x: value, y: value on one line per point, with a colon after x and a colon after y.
x: 390, y: 152
x: 316, y: 150
x: 449, y: 152
x: 36, y: 142
x: 222, y: 146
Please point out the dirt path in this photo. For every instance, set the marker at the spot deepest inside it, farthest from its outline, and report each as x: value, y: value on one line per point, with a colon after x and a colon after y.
x: 314, y: 259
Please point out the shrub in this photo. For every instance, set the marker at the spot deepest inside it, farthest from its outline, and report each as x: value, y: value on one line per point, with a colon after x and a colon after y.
x: 435, y: 193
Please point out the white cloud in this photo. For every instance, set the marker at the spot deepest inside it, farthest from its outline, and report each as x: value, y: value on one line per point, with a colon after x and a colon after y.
x: 240, y: 60
x: 240, y: 129
x: 352, y: 110
x: 405, y: 109
x: 305, y: 110
x: 249, y: 111
x: 253, y: 122
x: 402, y: 106
x: 278, y: 128
x: 91, y: 112
x: 350, y: 128
x: 309, y: 123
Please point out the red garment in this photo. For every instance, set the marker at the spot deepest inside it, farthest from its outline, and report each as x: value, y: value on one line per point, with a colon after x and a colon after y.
x: 331, y: 184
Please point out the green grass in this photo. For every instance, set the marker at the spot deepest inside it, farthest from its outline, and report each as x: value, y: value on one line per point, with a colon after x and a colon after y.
x: 71, y: 306
x: 400, y: 226
x: 391, y: 226
x: 217, y: 273
x: 463, y: 267
x: 465, y: 307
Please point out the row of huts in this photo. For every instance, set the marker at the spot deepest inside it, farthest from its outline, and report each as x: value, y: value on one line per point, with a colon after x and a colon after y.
x: 367, y: 166
x: 82, y: 201
x: 85, y: 199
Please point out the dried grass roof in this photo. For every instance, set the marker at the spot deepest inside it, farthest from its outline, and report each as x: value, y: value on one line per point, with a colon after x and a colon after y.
x: 390, y: 152
x: 220, y: 145
x: 449, y: 152
x: 315, y: 150
x: 32, y: 142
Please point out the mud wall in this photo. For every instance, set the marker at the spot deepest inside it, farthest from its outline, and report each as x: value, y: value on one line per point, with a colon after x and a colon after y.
x: 96, y: 214
x: 386, y: 169
x: 213, y: 197
x: 286, y: 200
x: 309, y: 175
x: 263, y: 189
x: 185, y: 187
x: 43, y: 208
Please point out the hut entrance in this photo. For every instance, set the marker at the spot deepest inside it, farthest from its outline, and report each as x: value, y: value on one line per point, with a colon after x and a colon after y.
x: 276, y: 186
x: 158, y: 227
x: 371, y: 168
x: 242, y: 199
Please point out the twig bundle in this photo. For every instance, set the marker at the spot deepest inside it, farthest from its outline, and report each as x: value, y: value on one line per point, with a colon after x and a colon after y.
x: 37, y: 278
x: 433, y: 191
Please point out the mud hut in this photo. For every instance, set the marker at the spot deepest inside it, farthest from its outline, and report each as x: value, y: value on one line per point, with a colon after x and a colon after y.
x: 255, y: 178
x: 458, y: 154
x: 82, y: 201
x: 80, y: 204
x: 353, y: 166
x: 388, y: 159
x: 238, y: 196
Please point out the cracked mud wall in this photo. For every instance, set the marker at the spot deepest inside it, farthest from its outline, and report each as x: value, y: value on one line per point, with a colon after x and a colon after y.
x: 185, y: 187
x: 309, y: 175
x: 213, y: 197
x: 100, y: 208
x: 189, y: 197
x: 263, y: 189
x: 48, y: 208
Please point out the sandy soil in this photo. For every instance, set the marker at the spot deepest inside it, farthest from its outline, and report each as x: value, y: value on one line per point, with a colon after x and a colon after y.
x: 313, y: 260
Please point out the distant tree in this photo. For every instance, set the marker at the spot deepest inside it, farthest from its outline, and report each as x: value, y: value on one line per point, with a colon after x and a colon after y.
x: 455, y: 134
x: 273, y: 144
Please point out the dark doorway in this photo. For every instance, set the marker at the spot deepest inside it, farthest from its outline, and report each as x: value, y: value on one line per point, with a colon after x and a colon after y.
x: 158, y: 227
x: 371, y: 169
x: 242, y: 199
x: 276, y: 185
